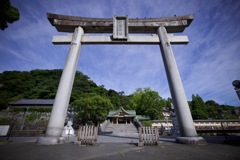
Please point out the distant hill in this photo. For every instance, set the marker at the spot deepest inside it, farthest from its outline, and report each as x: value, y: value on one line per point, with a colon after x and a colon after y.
x: 42, y: 84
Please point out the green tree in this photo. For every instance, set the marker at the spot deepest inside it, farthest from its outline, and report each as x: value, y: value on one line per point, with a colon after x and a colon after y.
x: 115, y: 98
x: 93, y: 108
x: 228, y: 112
x: 147, y: 102
x: 212, y: 109
x: 8, y: 14
x: 118, y: 99
x: 199, y: 110
x: 169, y: 103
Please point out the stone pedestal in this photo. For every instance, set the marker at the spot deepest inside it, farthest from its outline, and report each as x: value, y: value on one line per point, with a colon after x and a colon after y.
x: 50, y: 140
x: 191, y: 140
x: 140, y: 144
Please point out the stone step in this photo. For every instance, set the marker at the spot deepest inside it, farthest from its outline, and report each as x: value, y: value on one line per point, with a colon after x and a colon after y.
x: 121, y: 128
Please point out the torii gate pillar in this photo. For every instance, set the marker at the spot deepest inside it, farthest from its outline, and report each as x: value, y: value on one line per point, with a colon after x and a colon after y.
x: 187, y: 129
x: 59, y: 111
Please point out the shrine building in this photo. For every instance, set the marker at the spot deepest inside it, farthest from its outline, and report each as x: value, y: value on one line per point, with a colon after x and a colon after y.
x: 122, y: 116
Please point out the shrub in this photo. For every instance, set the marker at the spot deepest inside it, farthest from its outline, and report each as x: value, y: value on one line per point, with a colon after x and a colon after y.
x: 147, y: 123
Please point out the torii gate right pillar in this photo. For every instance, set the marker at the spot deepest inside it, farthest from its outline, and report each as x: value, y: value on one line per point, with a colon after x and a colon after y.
x: 187, y: 129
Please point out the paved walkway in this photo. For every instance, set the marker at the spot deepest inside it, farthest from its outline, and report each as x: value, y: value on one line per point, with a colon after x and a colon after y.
x: 25, y: 148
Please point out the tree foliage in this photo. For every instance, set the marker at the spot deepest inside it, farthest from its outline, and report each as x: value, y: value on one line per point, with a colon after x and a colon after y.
x: 147, y: 102
x: 211, y: 110
x: 36, y: 84
x: 8, y: 14
x: 118, y: 99
x: 92, y: 108
x: 199, y: 110
x: 39, y: 84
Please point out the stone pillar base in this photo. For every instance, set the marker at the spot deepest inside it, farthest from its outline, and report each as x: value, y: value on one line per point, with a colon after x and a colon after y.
x: 50, y: 140
x: 191, y: 140
x: 159, y: 143
x: 78, y: 143
x: 140, y: 144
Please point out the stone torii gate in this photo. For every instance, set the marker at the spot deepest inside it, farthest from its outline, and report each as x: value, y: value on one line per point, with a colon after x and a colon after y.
x: 120, y: 27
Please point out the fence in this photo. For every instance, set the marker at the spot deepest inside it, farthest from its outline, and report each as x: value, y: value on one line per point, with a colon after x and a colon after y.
x: 87, y: 135
x: 148, y: 136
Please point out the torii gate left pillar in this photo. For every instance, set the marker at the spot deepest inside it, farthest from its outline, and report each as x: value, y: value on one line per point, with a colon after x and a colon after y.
x: 59, y: 110
x: 120, y: 27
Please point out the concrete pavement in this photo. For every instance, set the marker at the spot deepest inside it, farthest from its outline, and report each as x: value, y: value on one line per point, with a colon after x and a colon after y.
x: 25, y: 148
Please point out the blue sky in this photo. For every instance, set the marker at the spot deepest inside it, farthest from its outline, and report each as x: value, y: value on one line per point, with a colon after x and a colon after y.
x: 207, y: 65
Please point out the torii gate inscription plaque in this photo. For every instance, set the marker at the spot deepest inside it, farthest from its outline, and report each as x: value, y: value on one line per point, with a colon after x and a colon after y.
x: 120, y: 26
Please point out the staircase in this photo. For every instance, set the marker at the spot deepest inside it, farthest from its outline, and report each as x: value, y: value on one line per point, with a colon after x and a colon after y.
x: 120, y: 128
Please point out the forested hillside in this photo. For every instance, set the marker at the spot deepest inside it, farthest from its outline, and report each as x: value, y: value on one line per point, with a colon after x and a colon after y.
x: 42, y: 84
x: 93, y: 102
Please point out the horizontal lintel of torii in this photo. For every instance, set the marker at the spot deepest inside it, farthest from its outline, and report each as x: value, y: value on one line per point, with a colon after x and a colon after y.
x: 174, y: 24
x: 88, y: 39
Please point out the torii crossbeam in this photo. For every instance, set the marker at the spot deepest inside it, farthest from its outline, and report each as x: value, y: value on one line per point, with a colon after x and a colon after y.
x: 65, y: 23
x: 121, y: 28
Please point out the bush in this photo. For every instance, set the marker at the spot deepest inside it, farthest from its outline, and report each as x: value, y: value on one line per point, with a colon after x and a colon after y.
x: 147, y: 123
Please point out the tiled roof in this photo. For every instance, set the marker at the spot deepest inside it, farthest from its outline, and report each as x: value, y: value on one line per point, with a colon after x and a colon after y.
x: 142, y: 117
x: 33, y: 102
x: 128, y: 113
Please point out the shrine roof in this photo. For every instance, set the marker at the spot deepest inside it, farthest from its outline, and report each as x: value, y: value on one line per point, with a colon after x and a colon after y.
x: 142, y: 117
x: 127, y: 113
x: 64, y: 23
x: 33, y: 102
